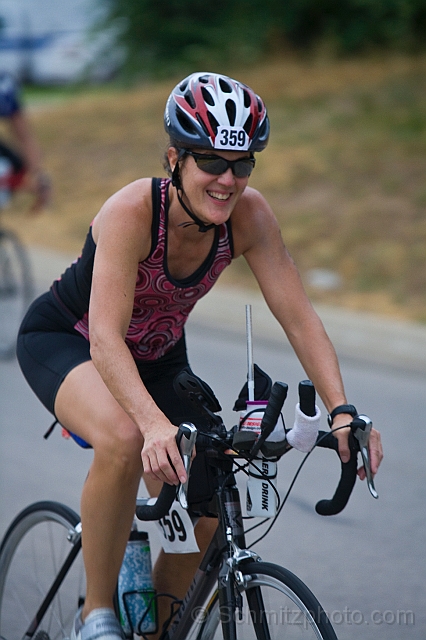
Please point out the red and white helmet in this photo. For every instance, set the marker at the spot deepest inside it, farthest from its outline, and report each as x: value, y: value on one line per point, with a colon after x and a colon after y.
x: 212, y: 111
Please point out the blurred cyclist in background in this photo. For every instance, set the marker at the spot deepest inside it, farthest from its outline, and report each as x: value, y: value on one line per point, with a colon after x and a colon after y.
x: 20, y: 167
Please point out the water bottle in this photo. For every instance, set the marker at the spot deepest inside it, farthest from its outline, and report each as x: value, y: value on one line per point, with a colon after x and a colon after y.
x: 261, y: 496
x: 251, y: 419
x: 136, y: 595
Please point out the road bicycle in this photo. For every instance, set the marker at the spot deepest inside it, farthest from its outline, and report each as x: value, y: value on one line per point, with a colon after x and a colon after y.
x: 234, y: 593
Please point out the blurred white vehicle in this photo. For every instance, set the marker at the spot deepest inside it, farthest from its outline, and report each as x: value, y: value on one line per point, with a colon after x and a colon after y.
x: 53, y: 42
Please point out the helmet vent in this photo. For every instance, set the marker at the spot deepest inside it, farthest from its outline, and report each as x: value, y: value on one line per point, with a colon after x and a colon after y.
x: 207, y: 96
x: 247, y: 125
x: 259, y: 105
x: 183, y: 86
x: 213, y: 122
x: 185, y: 122
x: 247, y: 99
x: 226, y: 88
x: 204, y: 79
x: 231, y: 110
x: 190, y: 99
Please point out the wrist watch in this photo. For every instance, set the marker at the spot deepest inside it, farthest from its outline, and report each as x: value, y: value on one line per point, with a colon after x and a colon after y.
x: 342, y: 408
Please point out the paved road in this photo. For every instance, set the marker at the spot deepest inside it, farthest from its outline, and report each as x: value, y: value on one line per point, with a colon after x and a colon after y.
x: 366, y: 565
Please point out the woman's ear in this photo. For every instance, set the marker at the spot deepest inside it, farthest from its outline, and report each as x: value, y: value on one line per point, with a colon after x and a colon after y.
x: 172, y: 156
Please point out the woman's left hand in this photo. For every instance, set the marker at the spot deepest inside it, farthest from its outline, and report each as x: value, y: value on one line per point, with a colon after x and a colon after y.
x: 374, y: 445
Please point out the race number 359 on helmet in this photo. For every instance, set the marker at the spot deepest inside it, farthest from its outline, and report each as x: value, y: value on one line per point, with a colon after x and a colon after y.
x: 212, y: 111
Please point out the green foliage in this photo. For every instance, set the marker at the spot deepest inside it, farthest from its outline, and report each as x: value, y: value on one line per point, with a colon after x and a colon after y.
x: 166, y: 36
x: 353, y: 25
x: 176, y: 34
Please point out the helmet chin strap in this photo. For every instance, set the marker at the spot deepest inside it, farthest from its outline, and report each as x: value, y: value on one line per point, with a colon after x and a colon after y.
x: 202, y: 227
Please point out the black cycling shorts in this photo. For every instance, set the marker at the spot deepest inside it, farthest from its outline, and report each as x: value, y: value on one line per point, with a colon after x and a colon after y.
x: 49, y: 348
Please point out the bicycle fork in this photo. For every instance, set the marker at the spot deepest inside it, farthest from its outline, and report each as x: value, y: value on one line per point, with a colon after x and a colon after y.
x: 232, y: 581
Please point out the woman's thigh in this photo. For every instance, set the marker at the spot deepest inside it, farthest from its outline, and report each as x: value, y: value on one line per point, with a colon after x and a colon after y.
x: 58, y: 368
x: 46, y: 357
x: 86, y: 407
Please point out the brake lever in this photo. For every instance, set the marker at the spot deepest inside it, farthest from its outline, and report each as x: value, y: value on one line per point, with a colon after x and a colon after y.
x: 186, y: 441
x: 361, y: 429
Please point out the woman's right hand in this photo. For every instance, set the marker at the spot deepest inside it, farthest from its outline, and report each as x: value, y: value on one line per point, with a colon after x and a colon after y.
x: 161, y: 459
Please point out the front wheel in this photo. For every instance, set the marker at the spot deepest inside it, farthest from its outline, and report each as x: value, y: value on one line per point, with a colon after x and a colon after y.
x: 275, y: 605
x: 41, y: 544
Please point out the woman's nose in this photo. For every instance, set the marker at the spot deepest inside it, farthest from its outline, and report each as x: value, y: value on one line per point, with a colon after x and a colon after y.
x: 227, y: 177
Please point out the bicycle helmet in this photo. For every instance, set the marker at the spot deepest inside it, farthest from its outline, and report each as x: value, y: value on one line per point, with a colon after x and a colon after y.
x: 212, y: 111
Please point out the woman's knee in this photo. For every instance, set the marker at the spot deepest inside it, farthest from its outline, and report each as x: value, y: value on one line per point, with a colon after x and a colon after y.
x: 97, y: 417
x: 120, y: 443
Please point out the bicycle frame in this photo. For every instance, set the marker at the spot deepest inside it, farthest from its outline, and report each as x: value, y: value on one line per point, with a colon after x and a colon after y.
x: 219, y: 564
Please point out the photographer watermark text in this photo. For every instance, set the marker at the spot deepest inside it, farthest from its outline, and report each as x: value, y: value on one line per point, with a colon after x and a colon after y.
x: 294, y: 616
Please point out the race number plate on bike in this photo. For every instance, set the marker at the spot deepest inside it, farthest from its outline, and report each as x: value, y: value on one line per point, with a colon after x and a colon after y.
x: 177, y: 531
x: 231, y: 139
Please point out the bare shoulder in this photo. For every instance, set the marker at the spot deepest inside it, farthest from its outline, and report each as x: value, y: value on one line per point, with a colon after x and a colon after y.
x: 133, y: 199
x: 253, y: 221
x: 126, y: 214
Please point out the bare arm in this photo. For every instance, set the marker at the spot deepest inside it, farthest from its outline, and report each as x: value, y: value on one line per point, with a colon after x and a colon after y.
x: 122, y: 231
x: 38, y: 181
x: 284, y: 293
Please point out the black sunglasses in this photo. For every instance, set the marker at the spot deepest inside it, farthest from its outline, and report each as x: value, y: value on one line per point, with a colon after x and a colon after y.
x: 216, y: 165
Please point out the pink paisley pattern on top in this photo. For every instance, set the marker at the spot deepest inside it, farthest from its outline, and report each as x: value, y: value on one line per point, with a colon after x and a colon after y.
x: 161, y: 306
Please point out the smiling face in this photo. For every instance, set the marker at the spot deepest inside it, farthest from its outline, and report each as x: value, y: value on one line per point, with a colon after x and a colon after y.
x: 210, y: 197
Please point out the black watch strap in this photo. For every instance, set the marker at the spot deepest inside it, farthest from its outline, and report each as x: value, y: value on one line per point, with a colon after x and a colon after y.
x: 342, y: 408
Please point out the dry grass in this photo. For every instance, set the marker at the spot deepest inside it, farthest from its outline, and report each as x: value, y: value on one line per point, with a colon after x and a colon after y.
x: 344, y: 171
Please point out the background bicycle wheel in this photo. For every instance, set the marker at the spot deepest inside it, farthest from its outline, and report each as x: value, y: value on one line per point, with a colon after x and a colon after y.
x: 16, y: 290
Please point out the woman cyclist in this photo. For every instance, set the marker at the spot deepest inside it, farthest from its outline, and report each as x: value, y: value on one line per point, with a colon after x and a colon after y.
x: 102, y: 347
